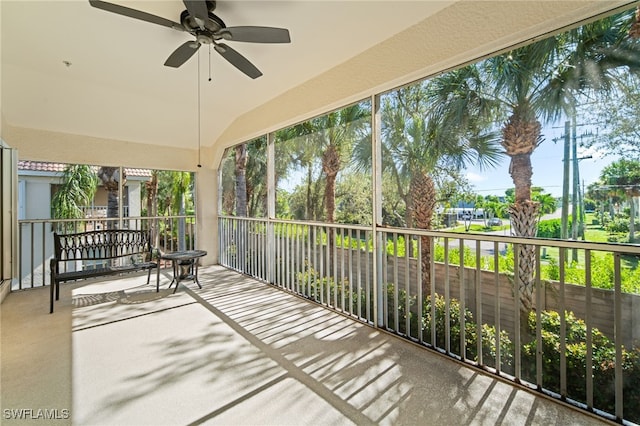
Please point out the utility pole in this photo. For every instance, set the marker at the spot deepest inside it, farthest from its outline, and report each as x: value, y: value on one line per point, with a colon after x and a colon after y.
x: 571, y: 156
x: 576, y: 189
x: 583, y: 225
x: 564, y: 227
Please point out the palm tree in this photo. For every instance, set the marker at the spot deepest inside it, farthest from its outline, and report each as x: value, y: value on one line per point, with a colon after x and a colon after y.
x: 622, y: 177
x: 296, y: 150
x: 538, y: 83
x: 336, y: 134
x: 110, y: 178
x: 241, y: 179
x: 181, y: 185
x: 516, y: 78
x: 547, y: 203
x: 493, y: 207
x: 418, y: 141
x: 333, y: 136
x: 151, y: 189
x: 256, y: 177
x: 77, y: 189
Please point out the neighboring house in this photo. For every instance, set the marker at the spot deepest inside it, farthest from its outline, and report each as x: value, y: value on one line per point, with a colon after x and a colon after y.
x: 37, y: 182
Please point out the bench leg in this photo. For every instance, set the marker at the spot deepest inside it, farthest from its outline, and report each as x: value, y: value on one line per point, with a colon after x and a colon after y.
x: 51, y: 298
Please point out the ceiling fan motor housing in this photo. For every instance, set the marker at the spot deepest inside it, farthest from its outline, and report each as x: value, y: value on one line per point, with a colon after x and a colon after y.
x: 213, y: 24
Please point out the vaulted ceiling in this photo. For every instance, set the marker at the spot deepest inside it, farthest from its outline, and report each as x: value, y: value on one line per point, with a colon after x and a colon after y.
x: 71, y: 71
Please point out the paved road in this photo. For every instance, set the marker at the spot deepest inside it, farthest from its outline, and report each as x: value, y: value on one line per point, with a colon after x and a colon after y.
x: 487, y: 248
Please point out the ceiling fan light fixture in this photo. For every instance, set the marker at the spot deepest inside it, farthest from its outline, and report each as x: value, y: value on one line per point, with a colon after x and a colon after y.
x: 203, y: 39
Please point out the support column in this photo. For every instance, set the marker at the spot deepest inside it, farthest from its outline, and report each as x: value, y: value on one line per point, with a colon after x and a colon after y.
x: 207, y: 214
x: 378, y: 242
x: 271, y: 207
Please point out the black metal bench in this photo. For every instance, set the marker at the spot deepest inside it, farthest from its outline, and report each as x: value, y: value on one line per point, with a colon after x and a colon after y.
x: 115, y: 251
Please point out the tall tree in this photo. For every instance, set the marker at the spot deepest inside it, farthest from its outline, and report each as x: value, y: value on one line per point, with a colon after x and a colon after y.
x: 77, y: 189
x: 151, y: 190
x: 421, y: 139
x: 619, y: 112
x: 330, y: 137
x: 111, y: 179
x: 297, y: 152
x: 256, y: 177
x: 547, y: 202
x: 181, y: 185
x: 336, y: 133
x: 623, y: 177
x: 538, y: 83
x: 241, y: 179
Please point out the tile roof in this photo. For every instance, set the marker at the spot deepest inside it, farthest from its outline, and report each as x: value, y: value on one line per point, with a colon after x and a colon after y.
x: 41, y: 166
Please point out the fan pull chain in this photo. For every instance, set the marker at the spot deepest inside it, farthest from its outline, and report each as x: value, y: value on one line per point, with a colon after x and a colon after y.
x: 199, y: 165
x: 209, y: 62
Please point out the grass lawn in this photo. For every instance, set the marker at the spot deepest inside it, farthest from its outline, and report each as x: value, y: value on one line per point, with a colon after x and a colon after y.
x: 593, y: 232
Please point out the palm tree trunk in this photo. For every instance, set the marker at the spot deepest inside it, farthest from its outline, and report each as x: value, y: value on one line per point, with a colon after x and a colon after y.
x: 521, y: 135
x: 524, y: 224
x: 182, y: 238
x: 241, y: 180
x: 241, y: 198
x: 152, y: 207
x: 307, y: 205
x: 423, y: 194
x: 330, y: 167
x: 110, y: 177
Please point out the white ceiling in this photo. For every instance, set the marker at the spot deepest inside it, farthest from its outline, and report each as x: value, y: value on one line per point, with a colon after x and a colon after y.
x: 116, y: 88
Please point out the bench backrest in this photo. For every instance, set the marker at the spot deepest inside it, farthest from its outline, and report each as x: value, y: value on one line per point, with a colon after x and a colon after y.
x: 101, y: 245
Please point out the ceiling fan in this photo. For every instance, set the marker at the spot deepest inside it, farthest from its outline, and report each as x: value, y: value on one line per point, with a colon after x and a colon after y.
x: 207, y: 28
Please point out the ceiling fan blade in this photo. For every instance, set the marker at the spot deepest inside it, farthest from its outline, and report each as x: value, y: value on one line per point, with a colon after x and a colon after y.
x: 136, y: 14
x: 198, y: 9
x: 237, y: 60
x: 182, y: 54
x: 256, y: 34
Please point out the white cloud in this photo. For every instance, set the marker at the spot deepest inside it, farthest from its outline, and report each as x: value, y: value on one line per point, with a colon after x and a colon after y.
x: 475, y: 177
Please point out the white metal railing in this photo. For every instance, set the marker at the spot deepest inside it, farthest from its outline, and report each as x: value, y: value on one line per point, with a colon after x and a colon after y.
x: 555, y: 330
x: 35, y: 238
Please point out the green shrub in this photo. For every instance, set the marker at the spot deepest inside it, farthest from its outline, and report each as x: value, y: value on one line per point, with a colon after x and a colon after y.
x: 602, y: 273
x: 454, y: 255
x: 314, y: 286
x: 549, y: 228
x: 399, y: 303
x: 576, y: 354
x: 618, y: 225
x: 471, y: 335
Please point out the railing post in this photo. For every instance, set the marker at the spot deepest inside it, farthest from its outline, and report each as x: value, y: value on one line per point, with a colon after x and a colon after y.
x: 617, y: 331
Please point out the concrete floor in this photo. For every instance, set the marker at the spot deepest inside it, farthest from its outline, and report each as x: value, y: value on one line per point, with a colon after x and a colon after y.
x: 237, y: 352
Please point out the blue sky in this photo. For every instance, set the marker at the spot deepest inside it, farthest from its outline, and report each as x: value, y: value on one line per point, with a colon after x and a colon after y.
x: 547, y: 168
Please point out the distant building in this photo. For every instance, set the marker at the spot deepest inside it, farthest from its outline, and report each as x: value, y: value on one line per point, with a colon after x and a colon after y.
x: 37, y: 182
